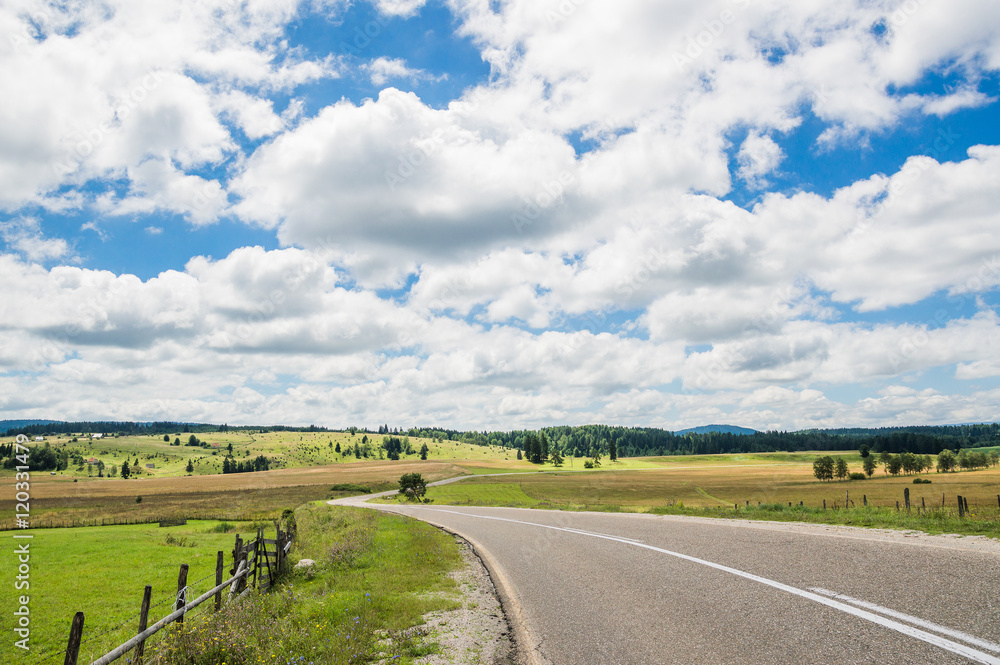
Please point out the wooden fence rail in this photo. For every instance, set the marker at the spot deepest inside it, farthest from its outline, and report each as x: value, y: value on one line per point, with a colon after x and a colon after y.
x: 254, y: 566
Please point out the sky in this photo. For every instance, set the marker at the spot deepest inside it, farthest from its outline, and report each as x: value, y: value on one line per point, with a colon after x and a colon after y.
x: 499, y: 214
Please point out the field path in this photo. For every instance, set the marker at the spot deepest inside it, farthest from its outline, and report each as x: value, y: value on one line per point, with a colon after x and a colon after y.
x: 607, y: 588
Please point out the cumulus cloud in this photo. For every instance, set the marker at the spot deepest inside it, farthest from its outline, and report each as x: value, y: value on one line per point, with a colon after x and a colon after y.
x: 758, y: 156
x: 25, y: 235
x: 559, y: 234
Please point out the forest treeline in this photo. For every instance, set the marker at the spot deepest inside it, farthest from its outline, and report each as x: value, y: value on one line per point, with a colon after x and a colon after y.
x: 583, y: 440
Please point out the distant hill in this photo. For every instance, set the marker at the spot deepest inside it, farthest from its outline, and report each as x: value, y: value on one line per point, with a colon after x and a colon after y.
x: 706, y: 429
x: 7, y: 425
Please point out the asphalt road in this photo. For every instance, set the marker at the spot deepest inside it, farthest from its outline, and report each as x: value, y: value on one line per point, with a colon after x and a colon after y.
x: 606, y: 589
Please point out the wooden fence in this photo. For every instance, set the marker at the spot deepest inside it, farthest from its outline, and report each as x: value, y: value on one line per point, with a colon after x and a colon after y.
x: 257, y: 564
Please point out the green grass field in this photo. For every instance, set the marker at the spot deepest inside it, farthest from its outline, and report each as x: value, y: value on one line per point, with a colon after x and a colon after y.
x: 102, y: 571
x: 284, y: 449
x: 713, y: 485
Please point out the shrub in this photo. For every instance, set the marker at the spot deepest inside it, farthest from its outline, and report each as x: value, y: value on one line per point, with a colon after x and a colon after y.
x: 858, y: 476
x: 138, y: 499
x: 413, y: 486
x: 922, y: 481
x: 588, y: 464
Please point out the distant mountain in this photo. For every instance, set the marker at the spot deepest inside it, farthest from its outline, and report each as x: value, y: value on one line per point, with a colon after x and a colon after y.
x: 705, y: 429
x: 7, y: 425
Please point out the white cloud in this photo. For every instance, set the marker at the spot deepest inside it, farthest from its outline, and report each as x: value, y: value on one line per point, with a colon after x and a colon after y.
x: 383, y: 69
x: 404, y: 8
x: 25, y: 235
x: 758, y: 156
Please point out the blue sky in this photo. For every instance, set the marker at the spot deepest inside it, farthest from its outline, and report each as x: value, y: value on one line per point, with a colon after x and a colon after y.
x: 507, y: 214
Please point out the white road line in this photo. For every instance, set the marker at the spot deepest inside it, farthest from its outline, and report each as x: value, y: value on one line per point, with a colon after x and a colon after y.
x: 917, y: 621
x: 935, y: 640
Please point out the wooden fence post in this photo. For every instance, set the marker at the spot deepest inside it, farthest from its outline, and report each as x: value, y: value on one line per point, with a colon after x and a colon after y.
x: 75, y: 635
x: 219, y: 563
x: 864, y: 497
x: 965, y: 500
x: 906, y: 497
x: 961, y: 507
x: 181, y: 591
x: 824, y: 504
x: 143, y: 623
x: 923, y: 503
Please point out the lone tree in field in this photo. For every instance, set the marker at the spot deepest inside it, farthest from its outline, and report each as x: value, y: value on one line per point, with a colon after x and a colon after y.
x: 869, y: 464
x: 190, y: 467
x: 423, y: 451
x: 125, y: 469
x: 823, y: 468
x: 557, y: 459
x: 412, y: 486
x: 946, y: 461
x: 613, y: 451
x: 840, y: 468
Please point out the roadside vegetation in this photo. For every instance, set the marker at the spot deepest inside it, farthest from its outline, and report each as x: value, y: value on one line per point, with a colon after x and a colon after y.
x: 375, y: 576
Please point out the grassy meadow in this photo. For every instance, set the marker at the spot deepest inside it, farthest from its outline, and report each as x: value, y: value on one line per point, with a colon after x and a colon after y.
x: 101, y: 571
x: 286, y: 450
x: 375, y: 578
x: 710, y: 484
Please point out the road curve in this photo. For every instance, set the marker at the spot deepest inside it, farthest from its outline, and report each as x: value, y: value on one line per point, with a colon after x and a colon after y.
x: 609, y: 588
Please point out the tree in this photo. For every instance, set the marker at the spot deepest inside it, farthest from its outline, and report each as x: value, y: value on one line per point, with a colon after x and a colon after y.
x: 337, y: 449
x: 556, y: 458
x: 884, y: 458
x: 895, y: 464
x: 230, y: 448
x: 166, y: 437
x: 823, y: 468
x: 125, y: 469
x: 519, y: 455
x: 423, y: 451
x: 869, y: 464
x: 595, y: 456
x: 613, y: 451
x: 865, y: 450
x: 190, y: 467
x: 994, y: 457
x: 412, y: 486
x: 840, y: 468
x: 543, y: 447
x: 946, y: 461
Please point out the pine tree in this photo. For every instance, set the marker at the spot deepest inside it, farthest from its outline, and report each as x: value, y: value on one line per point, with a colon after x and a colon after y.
x: 125, y: 469
x: 190, y: 466
x: 613, y: 451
